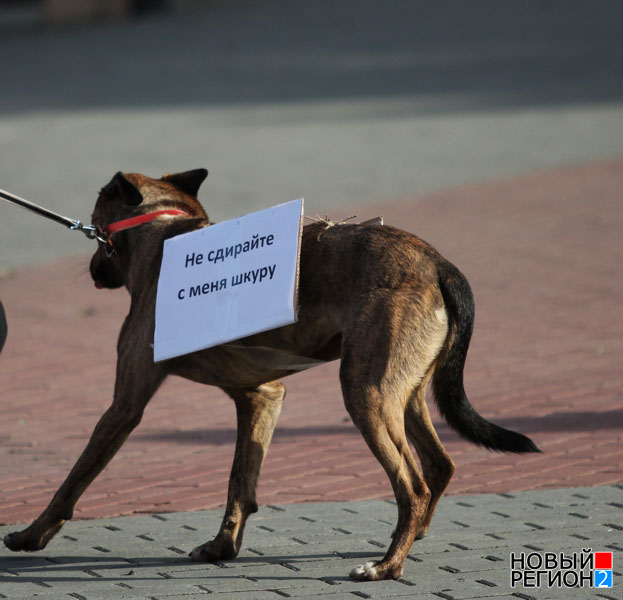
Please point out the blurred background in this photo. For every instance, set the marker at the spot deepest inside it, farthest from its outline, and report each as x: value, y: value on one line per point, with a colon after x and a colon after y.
x: 346, y: 102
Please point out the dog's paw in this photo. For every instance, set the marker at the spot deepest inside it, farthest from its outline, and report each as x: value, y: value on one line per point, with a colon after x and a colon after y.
x: 198, y: 555
x: 213, y: 551
x: 377, y: 570
x: 18, y: 542
x: 365, y: 572
x: 33, y: 538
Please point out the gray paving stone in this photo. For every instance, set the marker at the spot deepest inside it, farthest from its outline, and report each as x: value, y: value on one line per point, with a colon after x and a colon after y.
x: 308, y: 550
x: 263, y: 595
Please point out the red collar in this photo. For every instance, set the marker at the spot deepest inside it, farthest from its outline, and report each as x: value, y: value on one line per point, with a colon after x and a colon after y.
x: 136, y: 221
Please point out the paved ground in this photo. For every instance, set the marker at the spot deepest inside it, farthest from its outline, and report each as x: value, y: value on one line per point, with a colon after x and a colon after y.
x: 307, y: 551
x: 397, y: 108
x: 543, y: 254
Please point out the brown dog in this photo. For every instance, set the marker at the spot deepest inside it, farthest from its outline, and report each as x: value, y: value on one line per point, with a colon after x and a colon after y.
x: 385, y: 302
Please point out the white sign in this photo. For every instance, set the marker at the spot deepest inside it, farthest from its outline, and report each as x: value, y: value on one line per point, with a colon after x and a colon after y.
x: 228, y: 281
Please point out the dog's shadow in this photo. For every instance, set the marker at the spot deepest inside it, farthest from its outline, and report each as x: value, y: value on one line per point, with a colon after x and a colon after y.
x: 46, y: 571
x: 555, y: 422
x: 218, y: 436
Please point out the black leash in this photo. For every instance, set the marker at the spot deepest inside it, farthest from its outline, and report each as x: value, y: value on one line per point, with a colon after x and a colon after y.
x: 88, y: 230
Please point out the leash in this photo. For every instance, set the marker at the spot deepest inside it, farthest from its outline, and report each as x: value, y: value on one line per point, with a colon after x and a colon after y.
x: 89, y: 230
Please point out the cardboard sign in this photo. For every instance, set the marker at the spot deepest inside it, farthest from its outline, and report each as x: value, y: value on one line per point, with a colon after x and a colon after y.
x: 228, y: 281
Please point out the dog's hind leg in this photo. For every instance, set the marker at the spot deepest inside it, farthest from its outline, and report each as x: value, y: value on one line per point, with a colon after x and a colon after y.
x: 380, y: 420
x: 377, y: 379
x: 437, y: 465
x: 132, y: 392
x: 428, y: 332
x: 257, y: 411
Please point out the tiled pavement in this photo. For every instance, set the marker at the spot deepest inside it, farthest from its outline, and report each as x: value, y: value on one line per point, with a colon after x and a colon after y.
x: 543, y: 255
x: 307, y: 550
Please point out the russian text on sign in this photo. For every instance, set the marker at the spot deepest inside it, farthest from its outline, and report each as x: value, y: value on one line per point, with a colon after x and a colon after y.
x: 228, y: 281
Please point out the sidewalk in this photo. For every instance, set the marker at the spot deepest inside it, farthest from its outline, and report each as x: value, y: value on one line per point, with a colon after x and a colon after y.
x: 307, y: 551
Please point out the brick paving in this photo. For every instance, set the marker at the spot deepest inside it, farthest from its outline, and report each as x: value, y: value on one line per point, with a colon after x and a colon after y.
x: 543, y: 253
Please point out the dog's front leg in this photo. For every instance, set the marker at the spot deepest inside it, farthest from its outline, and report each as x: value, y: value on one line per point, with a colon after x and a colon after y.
x: 137, y: 381
x: 257, y: 411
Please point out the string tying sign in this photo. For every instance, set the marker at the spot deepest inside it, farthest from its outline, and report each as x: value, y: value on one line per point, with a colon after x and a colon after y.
x: 228, y: 281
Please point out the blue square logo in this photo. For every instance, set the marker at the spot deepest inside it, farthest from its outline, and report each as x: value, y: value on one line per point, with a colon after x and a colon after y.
x: 603, y: 578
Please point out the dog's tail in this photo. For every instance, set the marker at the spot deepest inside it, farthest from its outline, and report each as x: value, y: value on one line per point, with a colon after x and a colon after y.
x: 448, y: 376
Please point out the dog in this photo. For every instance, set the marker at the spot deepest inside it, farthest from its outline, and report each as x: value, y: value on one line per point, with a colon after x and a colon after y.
x: 385, y: 302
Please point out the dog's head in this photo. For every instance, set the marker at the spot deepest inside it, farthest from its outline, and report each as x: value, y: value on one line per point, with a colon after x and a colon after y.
x: 129, y: 195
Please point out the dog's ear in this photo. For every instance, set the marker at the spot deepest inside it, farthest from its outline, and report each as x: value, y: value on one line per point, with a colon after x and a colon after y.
x: 188, y: 182
x: 129, y: 193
